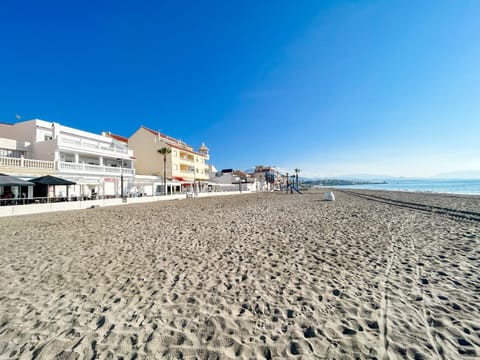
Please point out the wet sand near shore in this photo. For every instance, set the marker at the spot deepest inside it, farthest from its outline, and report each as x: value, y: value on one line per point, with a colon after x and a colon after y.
x: 259, y: 276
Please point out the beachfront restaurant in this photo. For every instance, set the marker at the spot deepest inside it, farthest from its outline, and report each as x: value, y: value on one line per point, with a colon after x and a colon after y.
x: 45, y: 187
x: 13, y: 190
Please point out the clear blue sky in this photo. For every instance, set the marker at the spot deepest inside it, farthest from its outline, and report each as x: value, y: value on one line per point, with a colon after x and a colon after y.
x: 334, y: 88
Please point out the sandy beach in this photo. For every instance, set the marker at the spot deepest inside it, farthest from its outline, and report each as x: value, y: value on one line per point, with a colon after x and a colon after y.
x: 258, y: 276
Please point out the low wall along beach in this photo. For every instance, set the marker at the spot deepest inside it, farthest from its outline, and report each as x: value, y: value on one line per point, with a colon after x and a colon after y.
x: 258, y: 276
x: 27, y: 209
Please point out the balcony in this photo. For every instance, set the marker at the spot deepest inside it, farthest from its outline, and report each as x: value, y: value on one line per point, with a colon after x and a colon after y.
x: 23, y: 165
x: 93, y: 169
x: 93, y: 146
x: 26, y: 164
x: 186, y: 159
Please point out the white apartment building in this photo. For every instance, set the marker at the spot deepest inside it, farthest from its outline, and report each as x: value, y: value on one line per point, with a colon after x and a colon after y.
x: 268, y: 177
x: 232, y: 180
x: 96, y: 163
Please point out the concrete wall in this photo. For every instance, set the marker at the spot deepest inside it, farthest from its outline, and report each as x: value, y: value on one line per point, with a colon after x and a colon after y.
x: 44, y: 150
x: 20, y: 131
x: 79, y: 205
x: 225, y: 178
x: 12, y: 144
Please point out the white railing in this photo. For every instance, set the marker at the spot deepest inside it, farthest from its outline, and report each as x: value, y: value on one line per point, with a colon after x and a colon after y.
x: 22, y: 163
x: 96, y: 169
x: 92, y: 145
x: 26, y: 163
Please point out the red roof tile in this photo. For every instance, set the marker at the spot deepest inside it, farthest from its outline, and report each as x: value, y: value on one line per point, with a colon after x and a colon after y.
x: 117, y: 137
x: 180, y: 146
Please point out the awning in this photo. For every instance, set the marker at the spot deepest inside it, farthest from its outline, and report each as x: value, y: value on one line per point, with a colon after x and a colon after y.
x: 7, y: 180
x: 178, y: 178
x: 51, y: 180
x: 88, y: 182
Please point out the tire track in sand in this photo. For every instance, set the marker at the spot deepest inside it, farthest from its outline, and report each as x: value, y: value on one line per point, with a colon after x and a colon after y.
x: 418, y: 272
x: 385, y: 301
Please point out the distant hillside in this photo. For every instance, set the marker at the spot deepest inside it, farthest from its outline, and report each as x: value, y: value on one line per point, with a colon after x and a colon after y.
x: 466, y: 174
x: 338, y: 182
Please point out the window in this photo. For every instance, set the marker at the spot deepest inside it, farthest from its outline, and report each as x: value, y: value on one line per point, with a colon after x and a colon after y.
x: 47, y: 137
x: 12, y: 153
x: 174, y: 153
x: 175, y: 167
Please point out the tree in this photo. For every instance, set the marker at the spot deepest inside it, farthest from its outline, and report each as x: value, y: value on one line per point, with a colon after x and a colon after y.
x: 164, y: 151
x: 296, y: 175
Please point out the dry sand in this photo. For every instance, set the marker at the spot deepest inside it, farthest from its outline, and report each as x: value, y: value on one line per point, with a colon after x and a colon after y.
x: 252, y: 276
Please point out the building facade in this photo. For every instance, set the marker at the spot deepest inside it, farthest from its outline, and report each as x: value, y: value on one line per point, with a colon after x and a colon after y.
x: 268, y: 178
x: 183, y: 164
x: 96, y: 163
x: 234, y: 180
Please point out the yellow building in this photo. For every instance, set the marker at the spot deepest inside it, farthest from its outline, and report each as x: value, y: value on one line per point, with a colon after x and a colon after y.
x: 183, y: 163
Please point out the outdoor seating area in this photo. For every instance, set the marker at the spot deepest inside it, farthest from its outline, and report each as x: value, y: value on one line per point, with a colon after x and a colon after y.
x: 16, y: 191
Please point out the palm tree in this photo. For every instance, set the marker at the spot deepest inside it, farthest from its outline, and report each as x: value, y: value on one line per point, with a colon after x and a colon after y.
x: 296, y: 175
x: 164, y: 151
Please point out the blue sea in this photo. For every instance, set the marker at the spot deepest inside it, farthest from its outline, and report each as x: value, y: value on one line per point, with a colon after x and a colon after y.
x: 471, y: 187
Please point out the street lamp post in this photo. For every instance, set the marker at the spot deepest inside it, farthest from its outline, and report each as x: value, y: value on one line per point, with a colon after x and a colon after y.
x: 287, y: 184
x: 121, y: 180
x: 296, y: 175
x: 194, y: 180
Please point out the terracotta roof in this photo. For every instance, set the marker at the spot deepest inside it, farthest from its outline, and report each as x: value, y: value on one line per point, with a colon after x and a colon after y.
x: 163, y: 135
x: 117, y: 137
x: 176, y: 143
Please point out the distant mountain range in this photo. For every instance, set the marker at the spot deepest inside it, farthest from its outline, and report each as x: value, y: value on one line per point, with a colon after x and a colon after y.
x: 363, y: 178
x: 467, y: 174
x: 337, y: 182
x: 461, y: 175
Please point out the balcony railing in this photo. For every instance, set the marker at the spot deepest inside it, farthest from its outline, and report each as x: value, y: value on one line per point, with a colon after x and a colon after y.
x: 26, y: 163
x: 186, y: 159
x: 95, y: 169
x: 22, y: 163
x: 92, y: 145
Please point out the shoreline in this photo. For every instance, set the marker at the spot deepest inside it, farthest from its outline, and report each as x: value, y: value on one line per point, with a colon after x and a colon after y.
x: 427, y: 192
